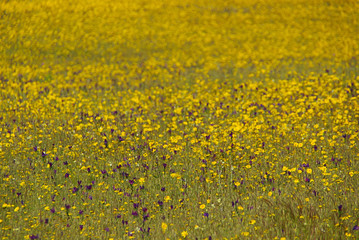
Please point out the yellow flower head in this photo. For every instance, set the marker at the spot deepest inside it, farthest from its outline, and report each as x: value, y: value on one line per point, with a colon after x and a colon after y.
x: 164, y: 227
x: 184, y: 234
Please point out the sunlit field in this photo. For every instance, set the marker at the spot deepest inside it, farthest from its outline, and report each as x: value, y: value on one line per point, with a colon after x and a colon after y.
x: 179, y: 119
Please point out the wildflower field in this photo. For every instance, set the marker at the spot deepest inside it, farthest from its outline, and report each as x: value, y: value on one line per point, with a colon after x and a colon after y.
x: 179, y: 119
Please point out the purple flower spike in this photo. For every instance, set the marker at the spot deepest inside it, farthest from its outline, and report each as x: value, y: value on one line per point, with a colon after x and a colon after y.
x: 340, y: 208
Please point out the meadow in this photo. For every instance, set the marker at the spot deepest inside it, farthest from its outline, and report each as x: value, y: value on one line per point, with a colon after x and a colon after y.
x: 191, y: 119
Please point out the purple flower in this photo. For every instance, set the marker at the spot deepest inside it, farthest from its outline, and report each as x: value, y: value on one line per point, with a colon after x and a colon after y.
x: 118, y: 216
x: 163, y: 189
x: 145, y: 217
x: 160, y: 203
x: 67, y: 206
x: 89, y: 187
x: 35, y: 149
x: 307, y: 179
x: 355, y: 228
x: 135, y: 213
x: 131, y: 181
x: 46, y: 220
x: 81, y: 227
x: 34, y: 236
x: 340, y: 208
x: 135, y: 205
x: 144, y: 209
x: 52, y: 210
x: 107, y: 229
x: 65, y: 163
x: 67, y: 175
x: 74, y: 190
x: 81, y: 212
x: 206, y: 214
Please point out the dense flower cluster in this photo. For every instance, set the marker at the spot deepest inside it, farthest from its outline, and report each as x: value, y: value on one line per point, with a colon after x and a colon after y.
x: 177, y: 119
